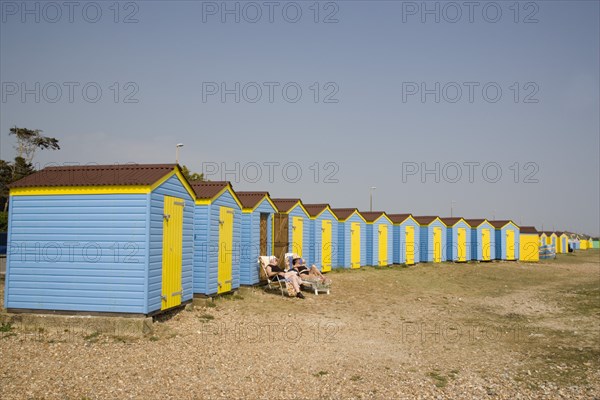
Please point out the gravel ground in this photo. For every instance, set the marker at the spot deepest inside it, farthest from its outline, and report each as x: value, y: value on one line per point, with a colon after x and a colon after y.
x: 500, y: 331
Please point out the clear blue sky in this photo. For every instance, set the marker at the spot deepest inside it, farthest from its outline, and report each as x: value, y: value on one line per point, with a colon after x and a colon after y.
x: 373, y: 58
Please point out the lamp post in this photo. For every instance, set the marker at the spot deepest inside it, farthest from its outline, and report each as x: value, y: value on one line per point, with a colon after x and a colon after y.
x: 371, y: 198
x: 177, y: 146
x: 452, y: 208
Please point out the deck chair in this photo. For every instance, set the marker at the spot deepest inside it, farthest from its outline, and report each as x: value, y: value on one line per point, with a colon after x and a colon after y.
x: 309, y: 284
x: 283, y: 285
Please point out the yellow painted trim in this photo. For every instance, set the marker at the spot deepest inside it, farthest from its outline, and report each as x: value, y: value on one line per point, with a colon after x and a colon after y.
x: 248, y: 210
x: 108, y: 189
x: 386, y: 217
x: 181, y: 178
x: 459, y: 221
x: 325, y: 209
x: 485, y: 221
x: 406, y: 219
x: 508, y: 223
x: 270, y: 202
x: 206, y: 202
x: 436, y: 218
x: 299, y: 203
x: 75, y: 190
x: 359, y: 214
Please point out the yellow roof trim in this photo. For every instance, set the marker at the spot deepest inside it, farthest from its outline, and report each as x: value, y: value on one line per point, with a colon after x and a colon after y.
x: 298, y: 203
x: 436, y: 218
x: 509, y: 223
x: 260, y: 202
x: 181, y: 178
x: 386, y: 217
x: 406, y: 219
x: 457, y: 222
x: 104, y: 189
x: 228, y: 188
x: 484, y: 221
x: 78, y: 190
x: 321, y: 213
x: 350, y: 216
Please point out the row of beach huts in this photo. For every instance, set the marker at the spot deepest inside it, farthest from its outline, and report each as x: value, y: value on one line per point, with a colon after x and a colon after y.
x: 141, y: 239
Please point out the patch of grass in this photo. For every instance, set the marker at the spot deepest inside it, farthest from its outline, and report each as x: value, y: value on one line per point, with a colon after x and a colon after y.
x: 320, y: 374
x: 562, y: 365
x: 123, y: 339
x: 92, y: 337
x: 154, y: 338
x: 206, y: 317
x: 582, y: 299
x: 355, y: 378
x: 8, y: 335
x: 439, y: 380
x: 6, y: 327
x: 453, y: 373
x: 211, y: 304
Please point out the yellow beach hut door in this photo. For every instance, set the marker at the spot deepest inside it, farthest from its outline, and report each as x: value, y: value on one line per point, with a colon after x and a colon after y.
x: 355, y: 245
x: 172, y: 252
x: 225, y: 262
x: 409, y: 234
x: 326, y: 245
x: 297, y: 231
x: 437, y: 245
x: 462, y: 245
x: 383, y: 245
x: 510, y: 244
x: 485, y: 244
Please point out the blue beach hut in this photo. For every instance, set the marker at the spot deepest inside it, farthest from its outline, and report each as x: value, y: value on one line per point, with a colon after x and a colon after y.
x: 406, y: 239
x: 482, y: 240
x: 457, y: 239
x: 292, y: 228
x: 217, y: 238
x: 100, y: 238
x: 433, y: 239
x: 257, y: 234
x: 351, y: 238
x: 506, y: 240
x: 380, y: 237
x: 323, y: 236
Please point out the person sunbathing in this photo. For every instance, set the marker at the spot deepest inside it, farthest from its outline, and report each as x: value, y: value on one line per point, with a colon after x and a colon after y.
x: 275, y: 272
x: 305, y: 273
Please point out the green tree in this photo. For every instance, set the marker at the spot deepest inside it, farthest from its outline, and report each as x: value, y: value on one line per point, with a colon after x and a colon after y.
x: 30, y: 140
x: 192, y: 176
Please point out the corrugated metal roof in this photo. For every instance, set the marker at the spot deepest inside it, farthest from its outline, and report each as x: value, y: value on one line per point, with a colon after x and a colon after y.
x: 96, y: 175
x: 528, y: 229
x: 500, y: 223
x: 315, y: 209
x: 208, y: 190
x: 371, y: 216
x: 475, y: 222
x: 343, y: 213
x: 285, y: 205
x: 251, y: 199
x: 450, y: 221
x: 398, y: 218
x: 425, y: 220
